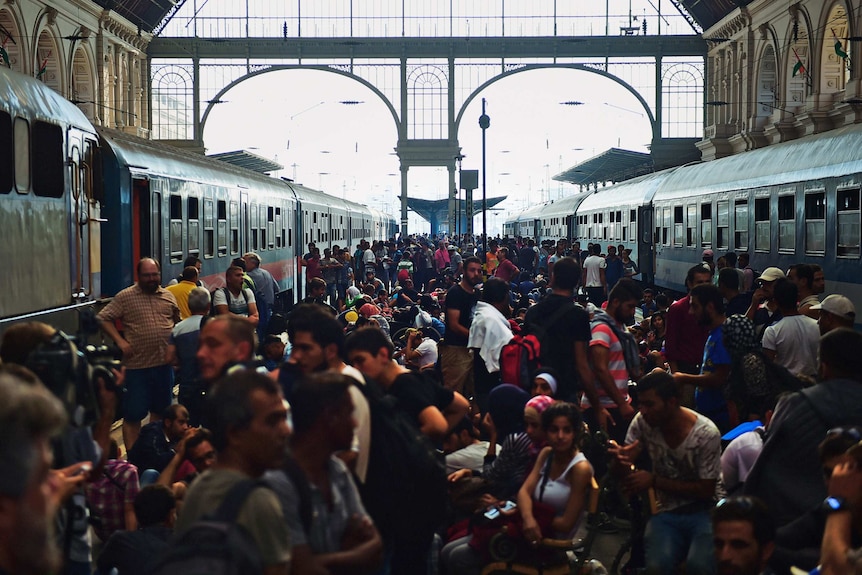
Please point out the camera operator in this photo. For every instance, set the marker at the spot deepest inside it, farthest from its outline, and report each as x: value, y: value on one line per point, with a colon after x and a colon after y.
x: 90, y: 405
x: 30, y: 492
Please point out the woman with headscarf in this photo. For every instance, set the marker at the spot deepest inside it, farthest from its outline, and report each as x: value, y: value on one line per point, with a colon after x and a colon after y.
x: 533, y: 422
x: 545, y: 382
x: 748, y: 388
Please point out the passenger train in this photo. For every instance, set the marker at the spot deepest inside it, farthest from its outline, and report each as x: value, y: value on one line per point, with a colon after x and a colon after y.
x: 80, y: 205
x: 793, y: 202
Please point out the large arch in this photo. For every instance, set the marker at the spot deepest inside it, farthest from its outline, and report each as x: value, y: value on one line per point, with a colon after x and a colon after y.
x: 47, y: 61
x: 579, y: 67
x: 82, y: 87
x: 797, y: 81
x: 217, y: 98
x: 765, y: 88
x: 13, y: 43
x: 834, y: 70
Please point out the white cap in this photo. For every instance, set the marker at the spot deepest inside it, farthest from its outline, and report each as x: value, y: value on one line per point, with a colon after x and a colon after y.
x: 837, y: 304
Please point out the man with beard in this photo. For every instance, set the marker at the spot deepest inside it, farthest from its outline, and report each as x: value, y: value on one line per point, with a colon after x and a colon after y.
x: 317, y: 341
x: 614, y: 357
x: 707, y: 307
x: 456, y: 359
x: 30, y: 492
x: 685, y: 450
x: 148, y: 313
x: 743, y: 534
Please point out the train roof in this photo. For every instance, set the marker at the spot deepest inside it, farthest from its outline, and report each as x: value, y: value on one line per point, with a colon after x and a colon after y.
x: 638, y: 191
x: 28, y: 97
x: 829, y: 154
x: 156, y: 158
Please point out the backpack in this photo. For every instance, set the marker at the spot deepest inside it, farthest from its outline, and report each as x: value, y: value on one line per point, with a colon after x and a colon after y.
x: 215, y: 544
x: 780, y: 377
x: 406, y: 487
x: 213, y: 311
x: 519, y: 360
x: 521, y: 357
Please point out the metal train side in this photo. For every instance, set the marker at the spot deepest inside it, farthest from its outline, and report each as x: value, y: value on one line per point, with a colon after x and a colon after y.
x: 48, y: 193
x: 793, y: 202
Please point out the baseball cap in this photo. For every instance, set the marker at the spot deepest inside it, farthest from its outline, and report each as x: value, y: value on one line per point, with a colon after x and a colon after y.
x: 771, y: 274
x: 837, y: 304
x: 707, y: 254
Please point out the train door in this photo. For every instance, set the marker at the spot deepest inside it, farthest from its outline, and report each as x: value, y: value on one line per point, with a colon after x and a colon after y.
x: 645, y: 244
x: 80, y: 185
x: 571, y: 228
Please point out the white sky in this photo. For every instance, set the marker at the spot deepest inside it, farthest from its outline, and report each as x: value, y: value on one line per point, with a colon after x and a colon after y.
x: 295, y: 117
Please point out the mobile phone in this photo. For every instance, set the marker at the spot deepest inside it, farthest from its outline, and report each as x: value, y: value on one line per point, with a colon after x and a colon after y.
x: 492, y: 513
x: 508, y: 506
x: 83, y: 470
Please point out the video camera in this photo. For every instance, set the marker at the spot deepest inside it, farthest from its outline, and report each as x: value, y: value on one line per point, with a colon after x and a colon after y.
x: 72, y: 375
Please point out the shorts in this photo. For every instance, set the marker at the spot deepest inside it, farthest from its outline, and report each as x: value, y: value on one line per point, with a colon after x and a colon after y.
x: 456, y: 366
x: 147, y: 389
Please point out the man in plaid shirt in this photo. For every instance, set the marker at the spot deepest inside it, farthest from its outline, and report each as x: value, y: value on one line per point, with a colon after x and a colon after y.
x: 112, y: 495
x: 148, y: 313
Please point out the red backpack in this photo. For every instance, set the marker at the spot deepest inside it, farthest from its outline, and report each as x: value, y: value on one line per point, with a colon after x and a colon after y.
x: 519, y: 360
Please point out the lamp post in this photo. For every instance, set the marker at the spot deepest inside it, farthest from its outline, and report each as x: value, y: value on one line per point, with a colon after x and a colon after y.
x: 484, y: 123
x: 458, y: 159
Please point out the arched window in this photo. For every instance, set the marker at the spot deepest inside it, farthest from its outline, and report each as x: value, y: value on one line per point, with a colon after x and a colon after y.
x: 47, y: 62
x: 172, y: 104
x: 83, y: 85
x: 835, y: 56
x: 427, y: 89
x: 767, y: 99
x: 11, y: 41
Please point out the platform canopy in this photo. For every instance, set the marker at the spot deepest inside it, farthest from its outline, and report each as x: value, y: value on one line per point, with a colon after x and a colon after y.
x: 146, y: 14
x: 247, y: 160
x: 613, y: 165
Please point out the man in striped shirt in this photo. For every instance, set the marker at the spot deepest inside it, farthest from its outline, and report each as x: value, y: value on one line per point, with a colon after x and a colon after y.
x: 608, y: 357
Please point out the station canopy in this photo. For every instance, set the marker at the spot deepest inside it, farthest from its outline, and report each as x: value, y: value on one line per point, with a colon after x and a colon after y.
x: 709, y: 12
x: 613, y: 165
x: 247, y: 160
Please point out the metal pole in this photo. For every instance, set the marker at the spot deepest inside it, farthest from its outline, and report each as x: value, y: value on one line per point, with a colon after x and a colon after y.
x: 484, y: 123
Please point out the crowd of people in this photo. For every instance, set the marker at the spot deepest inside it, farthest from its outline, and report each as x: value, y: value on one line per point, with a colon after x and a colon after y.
x: 737, y: 408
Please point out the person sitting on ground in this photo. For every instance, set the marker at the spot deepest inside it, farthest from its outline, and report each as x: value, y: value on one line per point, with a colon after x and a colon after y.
x: 545, y: 382
x: 464, y: 449
x: 236, y: 299
x: 111, y: 496
x: 797, y: 544
x: 533, y: 423
x: 504, y: 420
x: 194, y: 455
x: 154, y: 448
x: 330, y: 530
x: 420, y: 352
x: 138, y: 552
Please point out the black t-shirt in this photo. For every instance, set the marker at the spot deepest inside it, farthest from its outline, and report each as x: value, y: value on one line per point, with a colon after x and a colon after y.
x: 559, y: 337
x: 416, y: 392
x: 457, y: 298
x: 410, y: 293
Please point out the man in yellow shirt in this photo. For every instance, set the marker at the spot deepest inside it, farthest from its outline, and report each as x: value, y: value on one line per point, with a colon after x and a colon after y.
x: 182, y: 290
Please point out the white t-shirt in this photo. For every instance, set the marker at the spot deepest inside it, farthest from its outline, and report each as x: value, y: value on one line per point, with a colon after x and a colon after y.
x: 236, y: 304
x: 593, y: 266
x: 795, y: 339
x: 362, y: 415
x: 427, y: 352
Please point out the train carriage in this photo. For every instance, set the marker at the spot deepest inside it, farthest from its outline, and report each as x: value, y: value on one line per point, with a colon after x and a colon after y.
x: 48, y: 210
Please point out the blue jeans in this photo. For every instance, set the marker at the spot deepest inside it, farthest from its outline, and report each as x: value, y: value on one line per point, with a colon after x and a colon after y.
x: 672, y: 538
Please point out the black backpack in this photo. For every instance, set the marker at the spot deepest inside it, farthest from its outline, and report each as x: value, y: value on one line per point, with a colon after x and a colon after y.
x: 406, y: 486
x: 216, y: 544
x: 213, y: 311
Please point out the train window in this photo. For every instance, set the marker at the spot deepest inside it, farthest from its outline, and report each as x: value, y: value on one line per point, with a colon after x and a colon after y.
x: 176, y: 231
x: 209, y: 229
x: 315, y: 218
x: 612, y: 214
x: 815, y: 222
x: 848, y: 223
x: 633, y: 215
x: 222, y: 228
x: 47, y: 146
x: 678, y: 226
x: 705, y: 225
x: 7, y: 161
x: 279, y: 240
x: 722, y: 224
x: 263, y: 227
x: 22, y: 155
x: 740, y: 225
x: 691, y: 225
x: 254, y: 226
x: 762, y: 241
x: 194, y: 226
x: 665, y: 227
x: 234, y: 228
x: 270, y: 226
x: 786, y: 224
